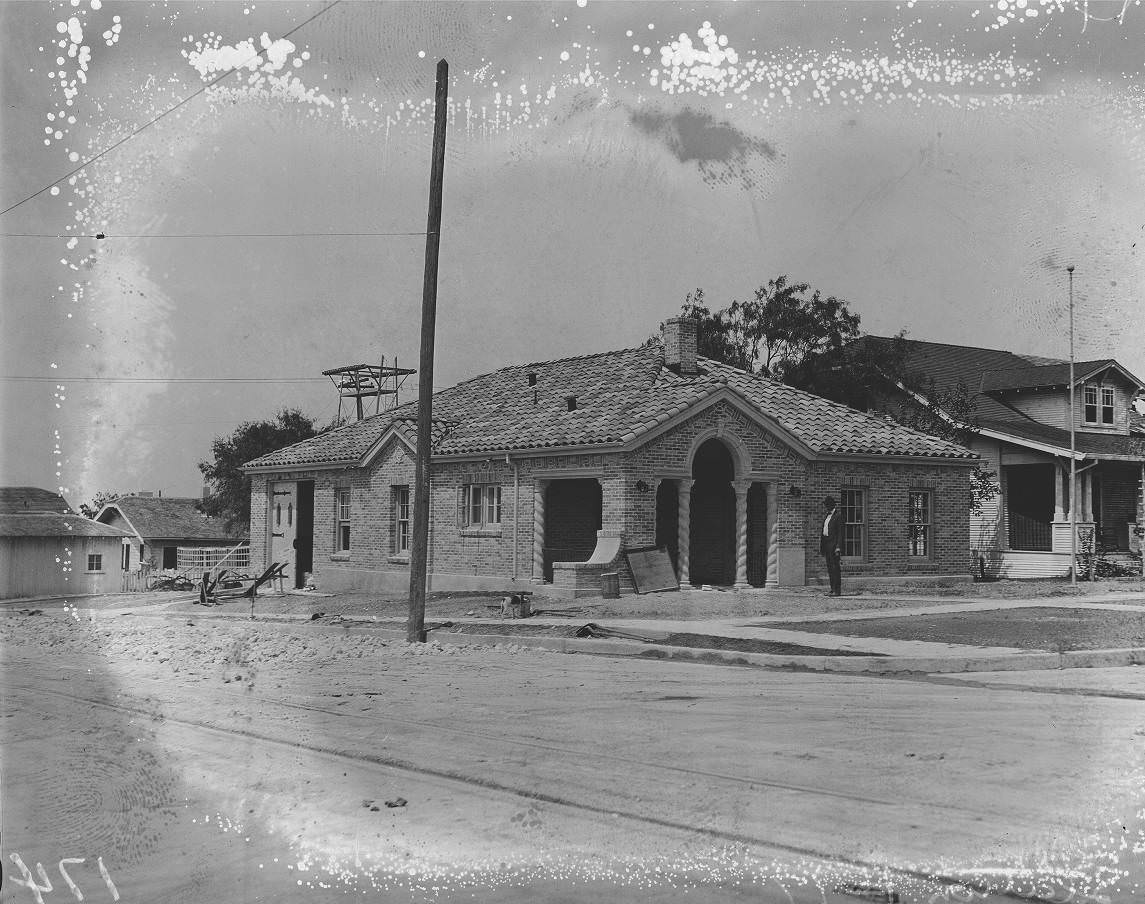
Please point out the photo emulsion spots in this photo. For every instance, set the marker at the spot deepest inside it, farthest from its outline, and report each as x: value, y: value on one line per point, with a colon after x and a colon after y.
x: 573, y: 451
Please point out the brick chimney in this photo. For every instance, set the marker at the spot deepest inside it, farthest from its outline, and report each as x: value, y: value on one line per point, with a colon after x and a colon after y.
x: 680, y: 338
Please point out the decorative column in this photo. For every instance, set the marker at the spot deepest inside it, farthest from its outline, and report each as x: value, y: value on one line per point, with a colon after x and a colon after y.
x: 772, y: 515
x: 741, y: 488
x: 1059, y: 495
x: 539, y: 487
x: 684, y: 529
x: 1086, y: 508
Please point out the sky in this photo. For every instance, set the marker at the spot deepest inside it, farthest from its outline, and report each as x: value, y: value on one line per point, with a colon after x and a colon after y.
x: 937, y: 165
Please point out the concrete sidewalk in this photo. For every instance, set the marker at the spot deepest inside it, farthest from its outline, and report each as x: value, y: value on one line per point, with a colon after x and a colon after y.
x: 647, y: 638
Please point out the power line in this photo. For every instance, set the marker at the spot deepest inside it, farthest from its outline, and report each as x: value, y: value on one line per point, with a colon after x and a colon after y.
x: 196, y: 235
x: 170, y: 109
x: 20, y: 378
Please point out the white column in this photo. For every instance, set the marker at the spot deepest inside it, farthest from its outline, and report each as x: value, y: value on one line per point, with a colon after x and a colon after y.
x: 1059, y: 495
x: 741, y: 488
x: 539, y: 531
x: 1086, y: 509
x: 772, y: 515
x: 684, y: 529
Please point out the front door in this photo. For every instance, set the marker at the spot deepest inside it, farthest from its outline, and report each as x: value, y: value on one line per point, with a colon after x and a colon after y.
x: 283, y: 520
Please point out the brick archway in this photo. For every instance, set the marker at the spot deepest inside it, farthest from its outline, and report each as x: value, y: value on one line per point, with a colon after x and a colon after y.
x: 712, y: 533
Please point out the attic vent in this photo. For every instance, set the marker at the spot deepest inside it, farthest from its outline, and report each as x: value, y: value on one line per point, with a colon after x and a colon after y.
x: 532, y: 379
x: 571, y: 402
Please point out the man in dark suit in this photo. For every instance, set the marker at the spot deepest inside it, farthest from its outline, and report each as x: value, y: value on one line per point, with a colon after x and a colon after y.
x: 831, y: 543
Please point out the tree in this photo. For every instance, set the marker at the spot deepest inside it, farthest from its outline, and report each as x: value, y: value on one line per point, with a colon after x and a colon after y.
x: 230, y: 496
x: 98, y: 501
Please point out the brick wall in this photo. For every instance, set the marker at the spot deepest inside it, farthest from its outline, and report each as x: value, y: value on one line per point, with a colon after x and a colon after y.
x: 886, y: 488
x: 628, y: 505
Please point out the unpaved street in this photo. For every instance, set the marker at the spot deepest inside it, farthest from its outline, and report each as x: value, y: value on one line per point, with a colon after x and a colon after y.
x: 234, y: 761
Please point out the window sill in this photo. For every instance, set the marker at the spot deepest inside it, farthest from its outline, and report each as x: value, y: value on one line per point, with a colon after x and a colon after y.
x: 95, y: 572
x: 340, y: 557
x: 399, y: 560
x: 481, y: 532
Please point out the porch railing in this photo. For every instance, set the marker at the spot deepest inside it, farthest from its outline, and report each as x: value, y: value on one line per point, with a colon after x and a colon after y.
x: 1029, y: 533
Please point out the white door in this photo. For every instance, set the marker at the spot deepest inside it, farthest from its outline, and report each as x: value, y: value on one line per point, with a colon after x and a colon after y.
x: 283, y: 522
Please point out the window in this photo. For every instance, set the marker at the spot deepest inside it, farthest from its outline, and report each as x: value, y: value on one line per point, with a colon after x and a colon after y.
x: 401, y: 521
x: 127, y: 557
x: 343, y: 521
x: 1107, y: 405
x: 919, y: 518
x: 854, y: 523
x: 94, y: 561
x: 1091, y: 404
x: 482, y: 503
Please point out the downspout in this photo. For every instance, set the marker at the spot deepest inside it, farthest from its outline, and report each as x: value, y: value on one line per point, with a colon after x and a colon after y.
x: 516, y: 507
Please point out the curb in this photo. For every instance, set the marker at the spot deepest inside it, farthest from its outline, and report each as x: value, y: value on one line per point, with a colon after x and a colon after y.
x: 852, y: 665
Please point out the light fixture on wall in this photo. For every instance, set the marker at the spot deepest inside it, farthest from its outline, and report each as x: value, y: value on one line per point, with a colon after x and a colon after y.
x: 642, y: 486
x: 795, y: 491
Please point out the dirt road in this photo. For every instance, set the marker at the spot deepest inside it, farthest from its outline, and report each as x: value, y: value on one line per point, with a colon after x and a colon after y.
x: 244, y: 762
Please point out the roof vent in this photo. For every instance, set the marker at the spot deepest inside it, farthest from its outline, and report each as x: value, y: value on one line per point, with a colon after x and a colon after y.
x: 571, y: 402
x: 532, y: 379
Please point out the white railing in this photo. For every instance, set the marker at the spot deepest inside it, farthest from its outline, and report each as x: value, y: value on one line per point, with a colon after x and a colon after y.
x: 194, y: 560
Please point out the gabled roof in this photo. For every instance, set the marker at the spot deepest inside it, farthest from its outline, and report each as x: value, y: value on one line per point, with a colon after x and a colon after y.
x: 987, y: 373
x: 53, y: 525
x: 167, y: 518
x: 1045, y: 376
x: 619, y: 397
x: 27, y: 500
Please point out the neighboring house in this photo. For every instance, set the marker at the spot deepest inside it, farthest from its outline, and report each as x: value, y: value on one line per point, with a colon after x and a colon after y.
x: 160, y: 525
x: 31, y: 501
x: 1021, y: 419
x: 44, y: 554
x: 546, y: 472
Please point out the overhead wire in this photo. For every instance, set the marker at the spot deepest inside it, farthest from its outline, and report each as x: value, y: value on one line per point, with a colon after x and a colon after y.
x: 169, y: 110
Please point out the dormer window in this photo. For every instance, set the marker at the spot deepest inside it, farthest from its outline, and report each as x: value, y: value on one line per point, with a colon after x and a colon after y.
x: 1107, y: 406
x: 1091, y: 404
x: 1092, y: 407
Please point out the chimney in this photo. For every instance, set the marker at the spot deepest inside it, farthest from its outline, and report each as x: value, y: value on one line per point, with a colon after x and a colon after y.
x: 680, y: 338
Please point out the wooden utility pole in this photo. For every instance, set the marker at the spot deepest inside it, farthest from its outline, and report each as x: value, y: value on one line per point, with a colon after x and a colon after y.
x: 415, y: 629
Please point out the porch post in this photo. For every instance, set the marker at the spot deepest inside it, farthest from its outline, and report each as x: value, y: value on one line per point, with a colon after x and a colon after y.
x: 772, y: 526
x: 741, y: 488
x: 1086, y: 510
x: 539, y: 487
x: 684, y: 529
x: 1059, y: 494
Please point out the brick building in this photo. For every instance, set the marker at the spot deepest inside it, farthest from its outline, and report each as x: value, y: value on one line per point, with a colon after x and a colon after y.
x: 547, y: 472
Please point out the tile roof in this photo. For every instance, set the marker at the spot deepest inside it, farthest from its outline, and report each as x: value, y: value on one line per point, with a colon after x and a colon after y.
x: 170, y: 518
x: 53, y: 525
x: 619, y: 396
x: 24, y: 500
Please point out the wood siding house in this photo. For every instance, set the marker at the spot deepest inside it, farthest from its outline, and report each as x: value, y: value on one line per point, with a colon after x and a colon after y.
x: 543, y: 474
x: 1020, y: 419
x: 160, y: 525
x: 49, y: 554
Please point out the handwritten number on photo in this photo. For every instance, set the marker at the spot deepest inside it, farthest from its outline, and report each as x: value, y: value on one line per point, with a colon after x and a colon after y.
x: 28, y: 881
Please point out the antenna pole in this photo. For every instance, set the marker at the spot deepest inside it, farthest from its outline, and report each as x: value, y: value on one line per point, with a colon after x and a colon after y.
x: 1072, y: 442
x: 415, y: 628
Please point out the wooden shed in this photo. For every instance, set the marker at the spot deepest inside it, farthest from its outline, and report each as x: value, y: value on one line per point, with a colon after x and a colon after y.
x: 47, y: 554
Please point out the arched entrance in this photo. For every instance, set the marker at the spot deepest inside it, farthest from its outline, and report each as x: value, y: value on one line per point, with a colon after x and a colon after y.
x: 713, y: 515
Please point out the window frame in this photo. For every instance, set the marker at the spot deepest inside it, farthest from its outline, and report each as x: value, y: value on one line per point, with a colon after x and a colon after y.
x: 1111, y: 408
x: 1087, y: 405
x: 848, y: 529
x: 927, y: 525
x: 403, y: 521
x: 95, y: 563
x: 484, y: 501
x: 343, y: 508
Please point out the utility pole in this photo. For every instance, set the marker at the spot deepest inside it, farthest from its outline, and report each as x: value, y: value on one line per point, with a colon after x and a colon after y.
x: 1072, y: 460
x: 415, y: 629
